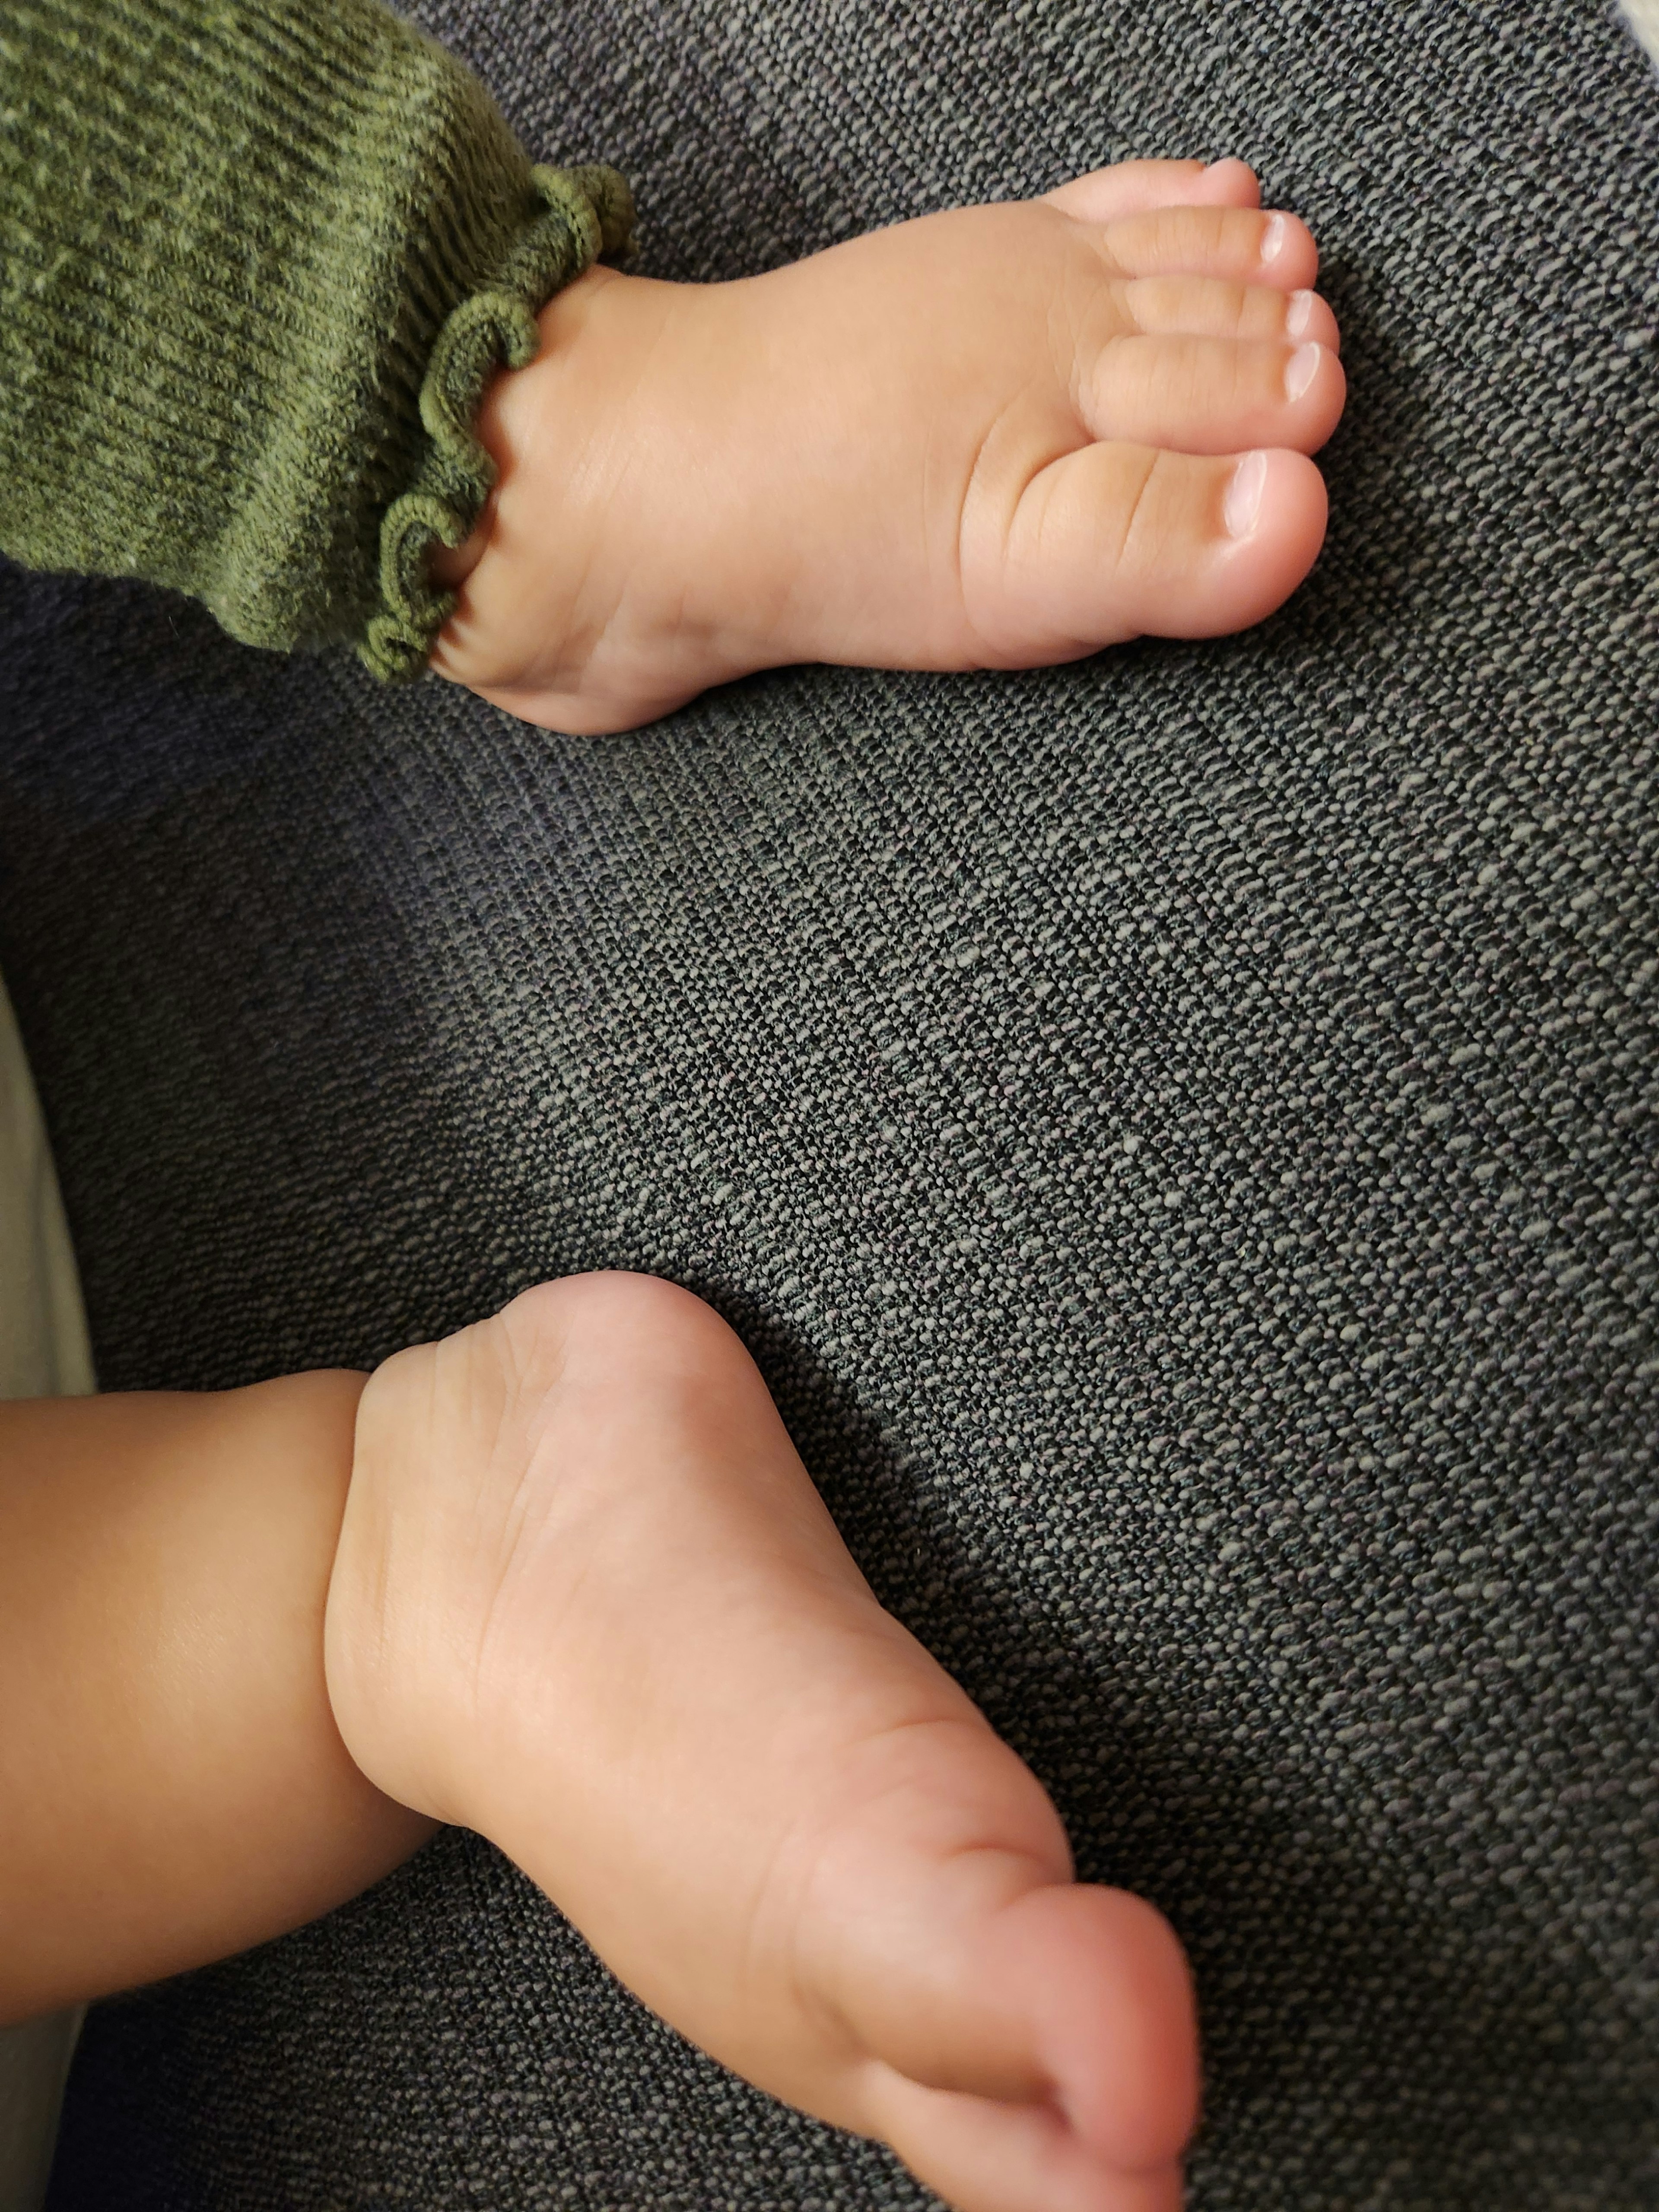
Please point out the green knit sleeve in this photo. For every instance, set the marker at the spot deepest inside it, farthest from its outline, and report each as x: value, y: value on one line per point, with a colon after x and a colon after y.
x: 258, y: 260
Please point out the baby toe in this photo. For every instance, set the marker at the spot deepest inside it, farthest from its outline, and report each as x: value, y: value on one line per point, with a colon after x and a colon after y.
x: 1247, y: 245
x: 1091, y: 1986
x: 980, y: 2155
x: 1134, y: 187
x: 1106, y: 1981
x: 1118, y: 540
x: 1211, y: 395
x: 1209, y: 306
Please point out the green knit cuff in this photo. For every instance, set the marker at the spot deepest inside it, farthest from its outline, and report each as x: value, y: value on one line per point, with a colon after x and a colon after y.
x: 585, y: 213
x: 257, y: 260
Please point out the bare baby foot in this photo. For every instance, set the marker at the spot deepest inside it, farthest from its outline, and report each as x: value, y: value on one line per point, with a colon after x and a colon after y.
x: 587, y: 1600
x: 999, y: 437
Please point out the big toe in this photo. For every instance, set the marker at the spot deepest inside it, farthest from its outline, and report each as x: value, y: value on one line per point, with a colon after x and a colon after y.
x: 1031, y: 2041
x: 1092, y: 1986
x: 1104, y: 1980
x: 1116, y: 541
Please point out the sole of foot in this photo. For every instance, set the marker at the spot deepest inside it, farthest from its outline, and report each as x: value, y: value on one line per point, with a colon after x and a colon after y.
x: 588, y: 1601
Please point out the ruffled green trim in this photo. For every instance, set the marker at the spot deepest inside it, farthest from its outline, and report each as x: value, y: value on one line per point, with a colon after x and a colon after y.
x: 585, y: 213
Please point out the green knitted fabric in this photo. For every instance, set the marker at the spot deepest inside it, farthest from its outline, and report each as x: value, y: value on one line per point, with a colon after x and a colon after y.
x: 258, y: 260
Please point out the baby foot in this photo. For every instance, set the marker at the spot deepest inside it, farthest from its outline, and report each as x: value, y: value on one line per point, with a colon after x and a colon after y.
x: 1000, y: 437
x: 587, y: 1600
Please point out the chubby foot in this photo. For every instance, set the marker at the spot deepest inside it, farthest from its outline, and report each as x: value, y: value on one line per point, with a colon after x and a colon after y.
x: 1000, y: 437
x: 587, y: 1601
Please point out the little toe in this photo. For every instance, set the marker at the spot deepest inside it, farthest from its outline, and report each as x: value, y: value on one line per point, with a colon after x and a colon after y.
x: 1249, y: 245
x: 1134, y: 187
x: 1203, y: 395
x: 1117, y: 541
x: 1209, y: 306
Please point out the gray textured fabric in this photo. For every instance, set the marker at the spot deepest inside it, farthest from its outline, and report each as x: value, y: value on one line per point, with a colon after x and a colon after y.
x: 1178, y: 1133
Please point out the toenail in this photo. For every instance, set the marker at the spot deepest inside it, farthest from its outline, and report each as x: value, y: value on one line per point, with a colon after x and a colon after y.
x: 1299, y: 313
x: 1243, y: 502
x: 1300, y: 370
x: 1273, y: 239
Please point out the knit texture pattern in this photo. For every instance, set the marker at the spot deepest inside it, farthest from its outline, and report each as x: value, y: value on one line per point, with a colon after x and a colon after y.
x: 256, y: 264
x: 1180, y: 1134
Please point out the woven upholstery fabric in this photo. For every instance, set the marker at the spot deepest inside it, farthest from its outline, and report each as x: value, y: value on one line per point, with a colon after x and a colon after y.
x: 1177, y: 1132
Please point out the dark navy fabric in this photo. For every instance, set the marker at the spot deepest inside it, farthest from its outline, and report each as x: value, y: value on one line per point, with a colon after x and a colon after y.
x: 1179, y: 1133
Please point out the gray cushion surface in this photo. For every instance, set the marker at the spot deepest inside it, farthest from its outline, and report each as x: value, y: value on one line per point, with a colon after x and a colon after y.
x: 1178, y: 1132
